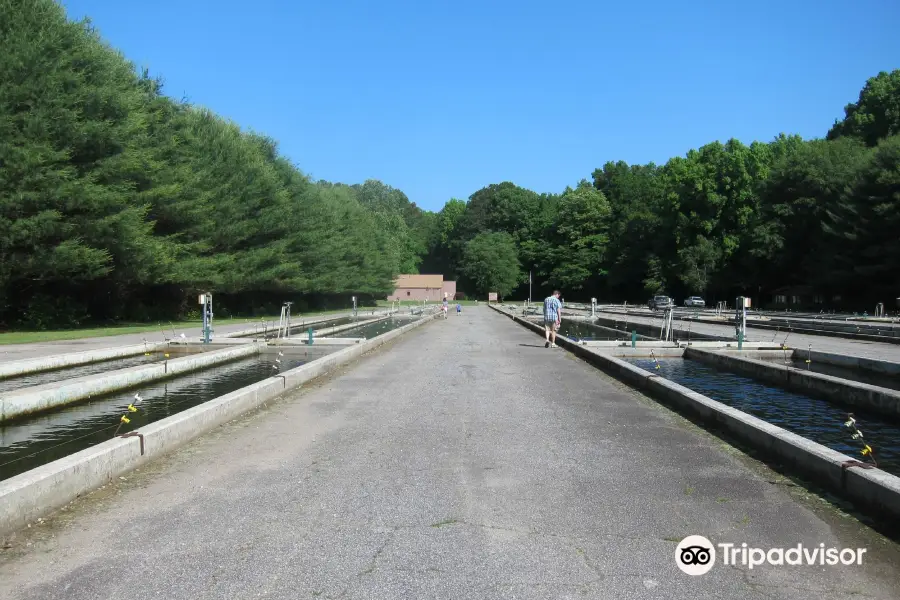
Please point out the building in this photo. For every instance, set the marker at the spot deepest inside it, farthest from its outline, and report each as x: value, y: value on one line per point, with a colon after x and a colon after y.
x: 423, y: 287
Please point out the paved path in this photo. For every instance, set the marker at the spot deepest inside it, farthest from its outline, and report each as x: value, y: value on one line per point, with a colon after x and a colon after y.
x: 463, y: 461
x: 822, y: 343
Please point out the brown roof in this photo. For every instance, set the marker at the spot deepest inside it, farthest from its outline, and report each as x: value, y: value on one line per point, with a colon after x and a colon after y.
x: 420, y: 281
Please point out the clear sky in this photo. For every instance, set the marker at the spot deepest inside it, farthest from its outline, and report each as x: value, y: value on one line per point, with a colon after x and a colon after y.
x: 441, y: 98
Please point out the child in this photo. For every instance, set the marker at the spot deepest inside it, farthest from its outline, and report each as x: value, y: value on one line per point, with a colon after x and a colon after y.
x: 458, y: 308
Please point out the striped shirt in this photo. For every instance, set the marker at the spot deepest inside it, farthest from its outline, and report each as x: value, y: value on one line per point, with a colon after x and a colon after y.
x: 551, y: 309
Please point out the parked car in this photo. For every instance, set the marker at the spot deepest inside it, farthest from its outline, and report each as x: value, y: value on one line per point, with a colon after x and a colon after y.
x: 695, y: 301
x: 660, y: 303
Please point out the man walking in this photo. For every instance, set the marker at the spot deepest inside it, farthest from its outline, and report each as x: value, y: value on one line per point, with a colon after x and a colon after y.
x: 552, y: 318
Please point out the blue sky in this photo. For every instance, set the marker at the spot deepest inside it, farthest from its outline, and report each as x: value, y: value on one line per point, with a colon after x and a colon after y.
x: 440, y: 99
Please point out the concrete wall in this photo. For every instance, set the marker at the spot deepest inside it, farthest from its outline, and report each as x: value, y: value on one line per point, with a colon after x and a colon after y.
x: 26, y: 497
x: 871, y: 489
x: 18, y: 403
x: 880, y: 367
x: 449, y: 290
x: 420, y: 294
x: 326, y: 331
x: 16, y: 368
x: 297, y: 322
x: 842, y: 391
x: 652, y: 331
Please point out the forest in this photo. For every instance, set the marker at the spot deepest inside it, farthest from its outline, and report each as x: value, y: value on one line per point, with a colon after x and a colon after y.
x: 118, y: 202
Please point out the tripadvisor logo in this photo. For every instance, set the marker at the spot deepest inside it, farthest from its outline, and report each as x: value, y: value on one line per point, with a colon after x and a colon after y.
x: 696, y: 555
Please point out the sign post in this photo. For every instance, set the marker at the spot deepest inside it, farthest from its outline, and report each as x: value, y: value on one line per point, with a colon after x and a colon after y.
x: 492, y: 296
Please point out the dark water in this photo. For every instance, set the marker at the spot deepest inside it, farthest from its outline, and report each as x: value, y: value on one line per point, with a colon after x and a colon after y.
x: 29, y: 380
x: 584, y: 330
x: 325, y: 329
x: 811, y: 418
x: 298, y: 326
x: 879, y: 379
x: 29, y: 443
x: 374, y: 329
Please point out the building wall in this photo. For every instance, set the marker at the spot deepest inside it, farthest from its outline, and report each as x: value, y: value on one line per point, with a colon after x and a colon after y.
x: 449, y: 289
x: 430, y: 294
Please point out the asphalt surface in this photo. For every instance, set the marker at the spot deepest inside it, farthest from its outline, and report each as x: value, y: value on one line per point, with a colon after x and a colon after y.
x: 463, y: 460
x: 879, y: 350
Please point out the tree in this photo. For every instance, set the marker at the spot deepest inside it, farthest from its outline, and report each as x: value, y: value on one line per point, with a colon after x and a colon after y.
x: 490, y: 264
x: 876, y: 115
x: 581, y: 238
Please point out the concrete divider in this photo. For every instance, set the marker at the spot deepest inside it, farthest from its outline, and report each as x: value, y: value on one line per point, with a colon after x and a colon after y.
x: 316, y: 342
x: 873, y: 365
x: 259, y: 329
x: 332, y: 330
x: 30, y: 400
x: 882, y: 400
x: 26, y: 497
x: 871, y: 489
x: 654, y: 330
x: 16, y: 368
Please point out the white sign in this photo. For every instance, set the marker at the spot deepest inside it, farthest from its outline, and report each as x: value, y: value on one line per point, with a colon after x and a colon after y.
x: 492, y: 296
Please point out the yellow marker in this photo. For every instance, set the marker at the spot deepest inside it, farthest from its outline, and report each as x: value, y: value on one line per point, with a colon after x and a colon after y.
x: 125, y: 419
x: 131, y: 408
x: 867, y: 450
x: 166, y: 355
x: 146, y: 354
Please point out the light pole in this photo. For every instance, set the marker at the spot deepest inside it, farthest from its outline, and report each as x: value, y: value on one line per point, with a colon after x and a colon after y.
x: 529, y: 287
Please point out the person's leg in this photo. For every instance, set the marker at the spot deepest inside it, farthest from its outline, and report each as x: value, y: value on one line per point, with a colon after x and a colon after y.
x: 547, y: 334
x: 553, y: 335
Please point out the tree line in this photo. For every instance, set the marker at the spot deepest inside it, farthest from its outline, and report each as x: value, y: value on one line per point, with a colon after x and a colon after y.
x: 792, y: 219
x: 118, y: 202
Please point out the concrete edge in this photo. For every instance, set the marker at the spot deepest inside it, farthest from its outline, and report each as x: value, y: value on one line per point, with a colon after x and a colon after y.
x: 868, y: 337
x: 877, y: 399
x: 332, y: 330
x: 37, y: 492
x: 874, y: 365
x: 27, y: 366
x: 871, y: 489
x: 40, y: 398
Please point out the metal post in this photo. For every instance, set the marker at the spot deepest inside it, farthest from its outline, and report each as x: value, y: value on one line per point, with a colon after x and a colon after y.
x: 529, y: 286
x: 310, y: 333
x: 354, y: 307
x: 206, y: 308
x: 741, y: 340
x: 287, y: 332
x: 634, y: 338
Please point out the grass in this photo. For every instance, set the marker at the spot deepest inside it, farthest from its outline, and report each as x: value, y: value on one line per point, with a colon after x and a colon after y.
x: 444, y: 523
x: 30, y: 337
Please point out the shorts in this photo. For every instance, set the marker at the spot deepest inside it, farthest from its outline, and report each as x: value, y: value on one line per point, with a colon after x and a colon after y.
x: 551, y: 326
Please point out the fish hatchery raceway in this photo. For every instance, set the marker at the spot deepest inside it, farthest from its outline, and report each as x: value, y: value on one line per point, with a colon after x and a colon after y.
x: 446, y: 458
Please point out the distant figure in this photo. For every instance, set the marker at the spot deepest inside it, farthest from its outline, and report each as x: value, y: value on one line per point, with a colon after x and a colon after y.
x: 552, y: 318
x: 445, y: 307
x: 458, y: 308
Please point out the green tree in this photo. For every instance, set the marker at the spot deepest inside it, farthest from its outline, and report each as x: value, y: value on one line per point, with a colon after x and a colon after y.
x: 876, y: 115
x: 490, y: 264
x: 581, y: 239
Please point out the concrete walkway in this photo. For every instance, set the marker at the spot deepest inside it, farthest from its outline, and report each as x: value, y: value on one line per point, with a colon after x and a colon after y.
x: 462, y: 461
x: 879, y: 350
